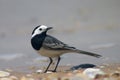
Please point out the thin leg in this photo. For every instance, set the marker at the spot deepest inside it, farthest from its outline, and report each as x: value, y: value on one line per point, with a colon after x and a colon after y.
x: 48, y: 65
x: 57, y: 64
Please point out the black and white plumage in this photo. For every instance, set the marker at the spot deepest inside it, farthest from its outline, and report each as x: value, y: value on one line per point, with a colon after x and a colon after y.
x: 51, y: 47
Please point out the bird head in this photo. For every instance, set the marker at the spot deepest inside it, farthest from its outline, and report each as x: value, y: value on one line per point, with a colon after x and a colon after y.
x: 40, y: 29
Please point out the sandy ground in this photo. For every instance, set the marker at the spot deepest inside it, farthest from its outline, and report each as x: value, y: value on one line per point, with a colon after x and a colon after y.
x: 111, y: 72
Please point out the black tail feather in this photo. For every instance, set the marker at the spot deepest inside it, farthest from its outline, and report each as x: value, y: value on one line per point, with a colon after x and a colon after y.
x: 73, y: 49
x: 88, y: 53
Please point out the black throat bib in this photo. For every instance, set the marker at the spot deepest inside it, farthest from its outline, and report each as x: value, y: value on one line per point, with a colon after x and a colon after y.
x: 37, y: 41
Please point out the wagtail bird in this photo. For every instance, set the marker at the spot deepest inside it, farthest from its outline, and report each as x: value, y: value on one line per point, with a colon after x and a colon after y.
x: 51, y: 47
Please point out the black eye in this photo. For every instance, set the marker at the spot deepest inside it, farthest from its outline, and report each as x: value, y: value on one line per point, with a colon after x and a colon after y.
x: 40, y: 29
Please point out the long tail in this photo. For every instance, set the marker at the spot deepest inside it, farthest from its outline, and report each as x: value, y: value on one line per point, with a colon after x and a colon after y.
x: 87, y: 53
x: 73, y: 49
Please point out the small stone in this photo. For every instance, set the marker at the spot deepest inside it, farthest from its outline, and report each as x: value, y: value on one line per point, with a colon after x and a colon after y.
x: 9, y: 70
x: 5, y: 79
x: 81, y: 76
x: 4, y: 74
x: 39, y: 71
x: 53, y: 76
x: 92, y: 72
x: 23, y: 78
x: 49, y: 72
x: 30, y: 79
x: 13, y: 77
x: 65, y: 78
x: 116, y: 75
x: 101, y: 67
x: 99, y: 76
x: 76, y: 78
x: 82, y: 66
x: 28, y: 75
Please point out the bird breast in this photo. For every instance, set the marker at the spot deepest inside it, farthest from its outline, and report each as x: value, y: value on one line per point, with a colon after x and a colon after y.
x: 50, y: 53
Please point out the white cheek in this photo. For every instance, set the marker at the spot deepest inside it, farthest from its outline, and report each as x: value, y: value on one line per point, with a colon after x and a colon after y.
x: 36, y: 32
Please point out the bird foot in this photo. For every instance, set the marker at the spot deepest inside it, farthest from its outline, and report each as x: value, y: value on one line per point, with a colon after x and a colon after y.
x: 50, y: 70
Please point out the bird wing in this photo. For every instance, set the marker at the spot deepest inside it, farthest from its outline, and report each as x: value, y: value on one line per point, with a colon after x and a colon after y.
x: 53, y: 43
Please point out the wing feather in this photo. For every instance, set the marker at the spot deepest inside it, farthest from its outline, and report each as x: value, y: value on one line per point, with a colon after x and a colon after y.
x: 53, y: 43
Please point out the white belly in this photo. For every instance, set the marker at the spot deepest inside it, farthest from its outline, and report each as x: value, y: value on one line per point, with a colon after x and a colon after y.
x: 51, y: 53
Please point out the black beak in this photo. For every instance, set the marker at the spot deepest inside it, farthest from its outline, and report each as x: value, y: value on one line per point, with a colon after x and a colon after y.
x: 49, y: 28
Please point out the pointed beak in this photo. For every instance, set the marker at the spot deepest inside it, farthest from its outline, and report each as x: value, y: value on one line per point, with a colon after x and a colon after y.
x: 49, y: 28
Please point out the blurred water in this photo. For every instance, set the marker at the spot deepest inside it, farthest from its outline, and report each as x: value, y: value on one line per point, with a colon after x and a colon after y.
x: 91, y: 25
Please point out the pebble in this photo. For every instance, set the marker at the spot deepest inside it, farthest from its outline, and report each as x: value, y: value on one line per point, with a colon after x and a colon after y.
x: 9, y: 70
x: 102, y: 67
x: 29, y: 75
x: 49, y: 72
x: 65, y: 78
x: 116, y: 74
x: 4, y: 74
x: 25, y: 78
x: 6, y: 79
x: 39, y: 71
x: 13, y: 78
x: 92, y: 72
x: 82, y: 66
x: 52, y: 76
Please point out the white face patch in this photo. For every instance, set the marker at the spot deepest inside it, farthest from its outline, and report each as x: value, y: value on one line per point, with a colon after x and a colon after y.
x: 39, y: 30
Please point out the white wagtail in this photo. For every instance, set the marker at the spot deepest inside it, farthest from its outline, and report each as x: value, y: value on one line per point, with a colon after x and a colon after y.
x: 51, y: 47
